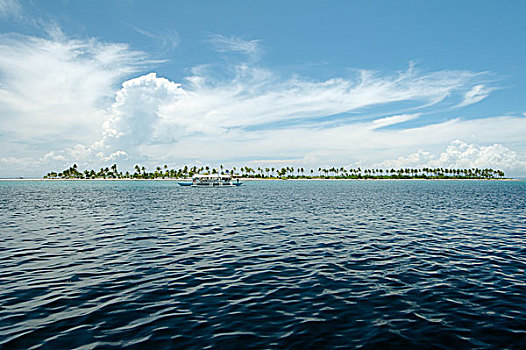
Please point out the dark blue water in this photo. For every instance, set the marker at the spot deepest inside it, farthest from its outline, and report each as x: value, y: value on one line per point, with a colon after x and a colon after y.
x: 290, y: 264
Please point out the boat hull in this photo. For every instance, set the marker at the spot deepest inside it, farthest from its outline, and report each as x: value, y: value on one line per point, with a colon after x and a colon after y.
x: 190, y: 184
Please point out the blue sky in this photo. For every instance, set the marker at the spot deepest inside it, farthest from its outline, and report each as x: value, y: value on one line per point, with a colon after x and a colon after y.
x: 344, y: 83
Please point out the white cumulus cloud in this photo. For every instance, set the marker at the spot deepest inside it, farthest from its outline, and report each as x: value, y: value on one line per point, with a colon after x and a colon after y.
x: 136, y: 115
x: 460, y: 154
x: 55, y: 91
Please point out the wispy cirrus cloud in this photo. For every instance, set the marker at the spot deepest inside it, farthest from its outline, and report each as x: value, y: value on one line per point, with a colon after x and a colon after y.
x: 393, y: 120
x: 168, y: 39
x: 251, y: 48
x: 10, y: 8
x: 476, y: 94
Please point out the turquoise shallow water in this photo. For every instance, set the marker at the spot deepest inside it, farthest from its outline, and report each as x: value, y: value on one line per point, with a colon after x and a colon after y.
x: 288, y: 264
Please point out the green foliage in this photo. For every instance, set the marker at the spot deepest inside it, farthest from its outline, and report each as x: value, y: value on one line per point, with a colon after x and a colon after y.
x: 283, y: 173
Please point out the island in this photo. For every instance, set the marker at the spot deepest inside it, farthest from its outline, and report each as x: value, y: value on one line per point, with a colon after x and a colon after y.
x: 283, y: 173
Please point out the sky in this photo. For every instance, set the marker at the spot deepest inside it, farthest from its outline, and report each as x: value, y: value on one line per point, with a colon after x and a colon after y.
x: 263, y: 84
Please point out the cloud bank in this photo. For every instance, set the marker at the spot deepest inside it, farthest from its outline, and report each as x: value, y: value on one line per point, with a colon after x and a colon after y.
x: 65, y: 101
x: 255, y: 98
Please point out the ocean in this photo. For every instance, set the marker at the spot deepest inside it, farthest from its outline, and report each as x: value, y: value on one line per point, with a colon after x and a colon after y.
x: 268, y: 265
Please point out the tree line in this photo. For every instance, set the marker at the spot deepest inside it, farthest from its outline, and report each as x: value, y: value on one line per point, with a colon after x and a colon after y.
x: 140, y: 172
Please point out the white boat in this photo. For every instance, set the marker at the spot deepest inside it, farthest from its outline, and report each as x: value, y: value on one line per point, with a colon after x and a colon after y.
x: 212, y: 180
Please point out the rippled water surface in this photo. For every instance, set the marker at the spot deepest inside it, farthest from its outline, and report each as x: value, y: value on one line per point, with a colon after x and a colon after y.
x: 271, y: 264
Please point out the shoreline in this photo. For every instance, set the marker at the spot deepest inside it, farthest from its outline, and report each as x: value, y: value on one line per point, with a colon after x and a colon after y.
x: 263, y: 179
